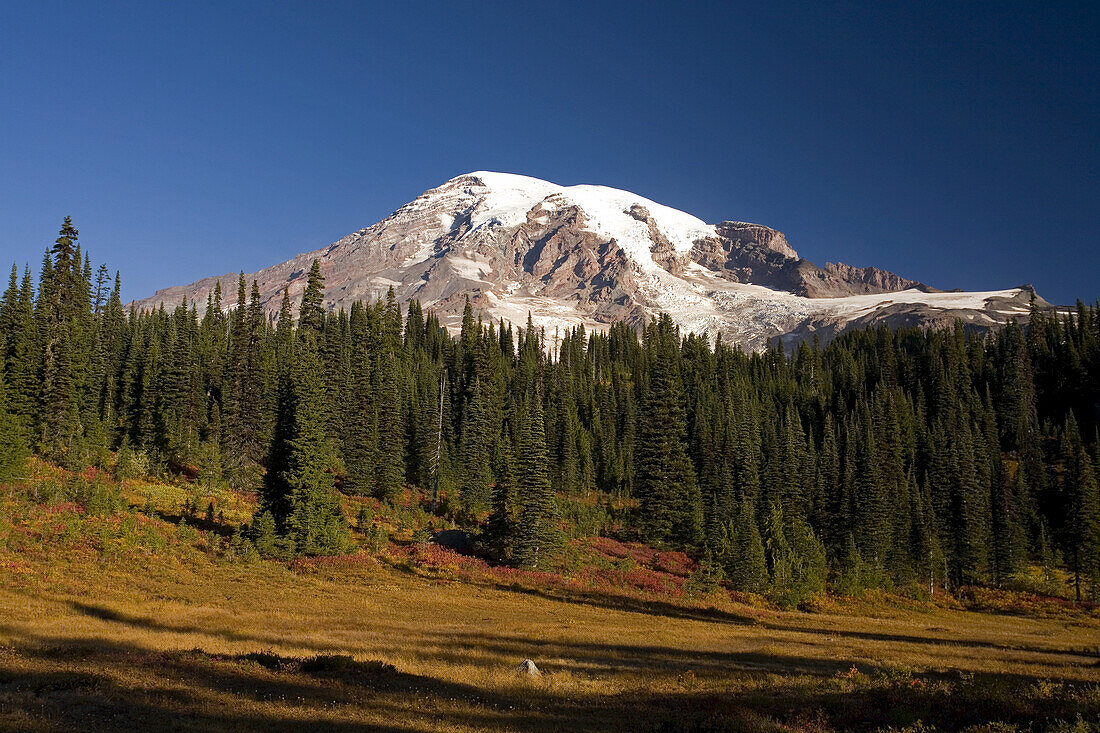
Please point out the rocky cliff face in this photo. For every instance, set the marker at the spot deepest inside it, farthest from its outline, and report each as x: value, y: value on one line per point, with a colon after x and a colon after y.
x: 594, y: 255
x: 745, y: 234
x: 870, y: 279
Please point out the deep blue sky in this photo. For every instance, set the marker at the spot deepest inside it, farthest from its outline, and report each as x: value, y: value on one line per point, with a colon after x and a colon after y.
x: 954, y: 143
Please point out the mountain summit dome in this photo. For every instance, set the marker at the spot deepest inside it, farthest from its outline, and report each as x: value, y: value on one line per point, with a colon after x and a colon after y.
x: 594, y: 255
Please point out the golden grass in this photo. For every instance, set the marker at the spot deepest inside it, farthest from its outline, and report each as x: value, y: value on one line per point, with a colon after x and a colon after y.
x: 172, y: 637
x: 101, y: 648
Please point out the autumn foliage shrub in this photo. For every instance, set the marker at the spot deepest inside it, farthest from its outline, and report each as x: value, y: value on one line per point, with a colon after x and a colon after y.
x: 1017, y: 603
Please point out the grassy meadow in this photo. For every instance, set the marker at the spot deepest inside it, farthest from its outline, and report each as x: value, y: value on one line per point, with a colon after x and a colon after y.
x: 115, y: 615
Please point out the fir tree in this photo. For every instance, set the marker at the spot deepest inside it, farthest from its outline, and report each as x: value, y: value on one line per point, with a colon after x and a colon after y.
x: 1083, y: 513
x: 20, y: 354
x: 796, y: 558
x: 742, y: 554
x: 58, y: 307
x: 312, y: 314
x: 671, y: 506
x: 501, y: 528
x: 13, y: 450
x: 299, y: 492
x: 475, y: 445
x: 360, y: 449
x: 537, y: 537
x: 391, y: 454
x: 242, y: 390
x: 315, y: 521
x: 916, y: 456
x: 1008, y: 550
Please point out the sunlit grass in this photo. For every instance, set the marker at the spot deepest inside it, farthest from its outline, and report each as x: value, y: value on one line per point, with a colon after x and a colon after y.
x: 133, y: 620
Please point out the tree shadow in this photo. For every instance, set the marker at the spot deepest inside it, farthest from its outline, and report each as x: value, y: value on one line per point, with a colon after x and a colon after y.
x: 103, y: 613
x: 610, y: 601
x: 603, y: 657
x: 631, y: 604
x: 97, y: 684
x: 223, y: 530
x: 711, y: 614
x: 623, y: 603
x: 934, y: 641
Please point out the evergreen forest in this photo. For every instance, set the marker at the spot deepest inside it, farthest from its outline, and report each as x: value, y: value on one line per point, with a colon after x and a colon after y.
x: 910, y: 458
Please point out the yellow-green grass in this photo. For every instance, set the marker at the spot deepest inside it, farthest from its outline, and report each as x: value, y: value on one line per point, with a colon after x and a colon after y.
x: 119, y: 633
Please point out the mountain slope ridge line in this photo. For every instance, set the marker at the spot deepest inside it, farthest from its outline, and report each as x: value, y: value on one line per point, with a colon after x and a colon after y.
x: 593, y: 255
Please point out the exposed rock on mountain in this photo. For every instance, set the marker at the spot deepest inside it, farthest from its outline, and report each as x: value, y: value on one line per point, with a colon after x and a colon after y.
x: 755, y: 234
x: 592, y: 255
x: 871, y: 279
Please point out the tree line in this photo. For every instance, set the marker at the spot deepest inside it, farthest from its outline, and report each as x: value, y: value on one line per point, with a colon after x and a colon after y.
x: 935, y: 458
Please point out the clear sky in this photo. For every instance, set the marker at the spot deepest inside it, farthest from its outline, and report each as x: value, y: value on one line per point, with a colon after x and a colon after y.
x: 956, y: 143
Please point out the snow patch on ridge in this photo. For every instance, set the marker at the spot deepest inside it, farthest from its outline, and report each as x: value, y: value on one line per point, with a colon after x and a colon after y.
x: 697, y: 299
x: 464, y: 238
x: 509, y: 197
x: 854, y: 306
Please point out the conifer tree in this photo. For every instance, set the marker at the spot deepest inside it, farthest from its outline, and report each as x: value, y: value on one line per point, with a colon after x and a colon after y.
x: 501, y: 528
x: 242, y: 392
x: 1008, y: 543
x: 834, y: 520
x: 360, y: 449
x: 671, y: 505
x: 475, y: 445
x: 21, y: 360
x: 391, y: 449
x: 796, y: 558
x: 299, y: 491
x: 873, y: 504
x: 743, y: 555
x: 100, y: 292
x: 1083, y: 513
x: 916, y: 456
x: 537, y: 538
x: 58, y: 308
x: 312, y: 314
x: 315, y: 521
x: 13, y: 450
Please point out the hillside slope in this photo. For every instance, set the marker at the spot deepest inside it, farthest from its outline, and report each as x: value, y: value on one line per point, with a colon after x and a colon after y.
x: 593, y: 255
x: 117, y: 618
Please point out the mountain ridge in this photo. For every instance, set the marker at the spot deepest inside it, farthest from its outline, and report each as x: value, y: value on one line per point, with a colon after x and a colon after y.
x: 593, y: 255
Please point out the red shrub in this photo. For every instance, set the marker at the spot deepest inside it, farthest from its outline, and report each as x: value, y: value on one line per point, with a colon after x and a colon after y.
x: 65, y: 506
x: 608, y: 547
x: 616, y: 550
x: 677, y: 563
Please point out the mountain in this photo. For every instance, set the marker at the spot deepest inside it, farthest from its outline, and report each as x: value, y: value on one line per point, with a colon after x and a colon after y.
x: 594, y: 255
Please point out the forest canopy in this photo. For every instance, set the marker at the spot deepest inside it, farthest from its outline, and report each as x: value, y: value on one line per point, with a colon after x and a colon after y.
x: 931, y: 458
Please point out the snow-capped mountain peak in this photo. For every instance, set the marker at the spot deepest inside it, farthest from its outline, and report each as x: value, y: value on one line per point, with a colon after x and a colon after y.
x: 509, y: 198
x: 587, y: 254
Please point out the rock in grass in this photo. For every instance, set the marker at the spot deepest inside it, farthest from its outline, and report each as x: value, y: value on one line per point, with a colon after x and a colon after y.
x: 528, y: 668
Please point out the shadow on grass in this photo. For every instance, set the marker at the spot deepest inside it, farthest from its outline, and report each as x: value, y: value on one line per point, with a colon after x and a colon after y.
x: 636, y: 605
x: 600, y: 599
x: 104, y: 613
x: 195, y: 522
x: 672, y: 610
x: 616, y: 602
x: 96, y: 684
x: 604, y: 657
x: 1082, y: 654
